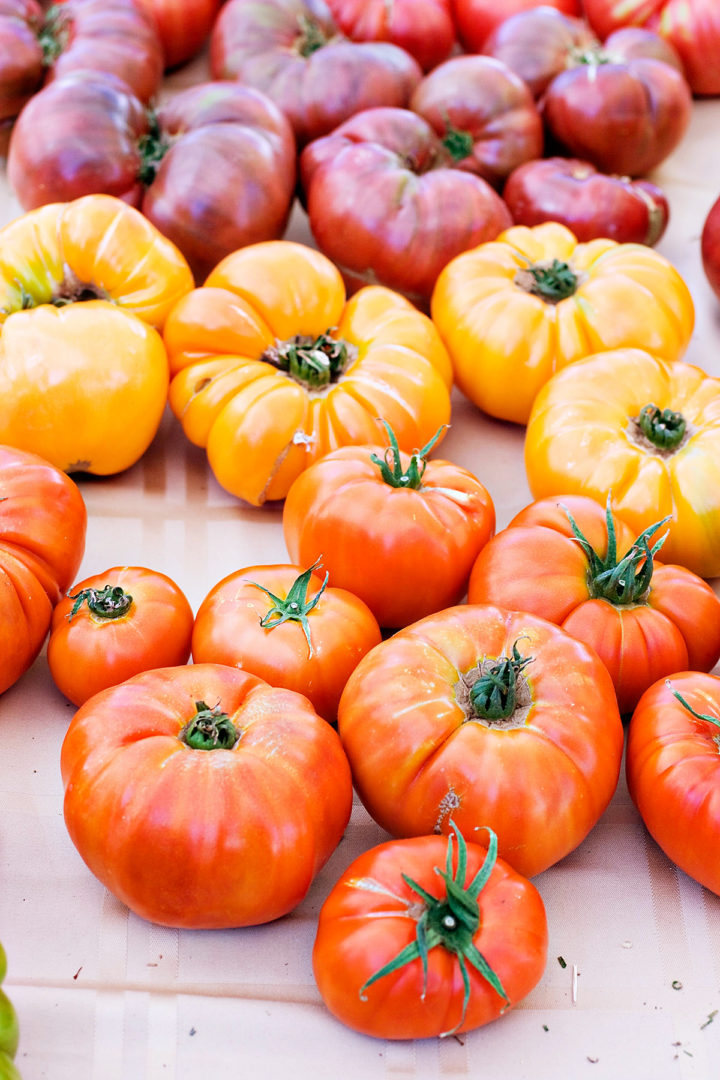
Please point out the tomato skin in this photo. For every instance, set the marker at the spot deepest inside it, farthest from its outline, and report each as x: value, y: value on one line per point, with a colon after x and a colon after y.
x: 537, y: 565
x: 406, y: 553
x: 495, y: 327
x: 424, y: 28
x: 416, y: 761
x: 182, y: 27
x: 353, y: 942
x: 476, y: 19
x: 87, y: 653
x: 672, y: 771
x: 204, y: 838
x: 586, y: 415
x: 42, y: 540
x: 341, y: 627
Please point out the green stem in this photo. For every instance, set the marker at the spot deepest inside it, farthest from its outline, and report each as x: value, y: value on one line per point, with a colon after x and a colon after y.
x: 311, y: 36
x: 54, y: 33
x: 450, y: 921
x: 457, y: 142
x: 661, y: 427
x: 313, y: 362
x: 493, y: 696
x: 390, y: 464
x: 209, y: 729
x: 698, y: 716
x: 110, y: 602
x: 552, y: 281
x: 296, y: 606
x: 152, y: 147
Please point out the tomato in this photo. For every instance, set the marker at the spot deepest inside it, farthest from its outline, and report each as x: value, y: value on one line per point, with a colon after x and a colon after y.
x: 9, y: 1028
x: 42, y: 540
x: 567, y: 560
x: 487, y: 717
x: 289, y: 627
x: 514, y: 311
x: 476, y: 19
x: 424, y: 28
x: 272, y: 368
x: 537, y: 43
x: 710, y: 246
x: 213, y: 168
x: 183, y: 27
x: 672, y: 770
x: 693, y: 29
x: 397, y: 530
x: 83, y: 286
x: 589, y: 203
x: 292, y: 51
x: 114, y: 625
x: 643, y: 431
x: 389, y: 203
x: 201, y: 797
x: 416, y: 940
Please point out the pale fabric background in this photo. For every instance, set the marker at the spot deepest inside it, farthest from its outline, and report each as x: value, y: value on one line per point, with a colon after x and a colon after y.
x: 102, y: 995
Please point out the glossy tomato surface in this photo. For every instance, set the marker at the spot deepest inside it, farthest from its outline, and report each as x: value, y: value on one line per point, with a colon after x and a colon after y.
x: 710, y: 247
x: 476, y: 19
x: 113, y: 625
x: 248, y: 621
x: 182, y: 25
x: 424, y: 28
x: 201, y: 797
x: 423, y: 753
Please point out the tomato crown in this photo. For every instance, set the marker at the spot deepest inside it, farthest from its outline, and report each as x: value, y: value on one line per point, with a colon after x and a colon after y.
x: 390, y: 464
x: 314, y: 362
x: 110, y: 602
x: 493, y: 695
x: 551, y: 280
x: 53, y: 34
x: 698, y: 716
x: 663, y: 428
x: 296, y: 605
x: 209, y: 729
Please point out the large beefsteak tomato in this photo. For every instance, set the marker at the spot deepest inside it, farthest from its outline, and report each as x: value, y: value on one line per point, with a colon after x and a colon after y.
x: 488, y: 717
x: 202, y: 797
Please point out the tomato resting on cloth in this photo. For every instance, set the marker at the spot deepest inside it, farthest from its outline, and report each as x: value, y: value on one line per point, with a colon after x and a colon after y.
x: 271, y: 368
x: 486, y: 717
x: 202, y: 797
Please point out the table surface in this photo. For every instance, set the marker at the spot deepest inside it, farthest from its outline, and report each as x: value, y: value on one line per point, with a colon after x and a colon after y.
x: 103, y: 995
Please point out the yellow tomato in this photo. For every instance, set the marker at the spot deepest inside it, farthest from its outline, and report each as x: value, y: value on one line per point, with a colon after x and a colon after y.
x: 644, y: 431
x: 513, y: 311
x: 273, y: 369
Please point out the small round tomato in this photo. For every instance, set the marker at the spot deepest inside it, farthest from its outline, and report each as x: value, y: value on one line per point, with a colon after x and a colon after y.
x: 417, y: 940
x: 114, y: 625
x: 203, y: 798
x: 488, y: 717
x: 673, y: 770
x: 287, y: 626
x: 566, y: 560
x: 397, y: 530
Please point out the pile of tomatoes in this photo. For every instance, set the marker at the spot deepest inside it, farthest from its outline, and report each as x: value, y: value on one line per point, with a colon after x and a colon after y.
x: 476, y: 189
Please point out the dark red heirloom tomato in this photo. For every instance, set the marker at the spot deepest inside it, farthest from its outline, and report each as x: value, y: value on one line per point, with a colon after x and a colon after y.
x: 417, y: 940
x: 484, y: 114
x: 213, y: 168
x: 203, y: 798
x: 476, y: 19
x: 424, y: 28
x: 183, y: 26
x: 537, y: 43
x: 388, y: 204
x: 114, y: 37
x: 710, y: 247
x: 113, y: 626
x: 589, y: 203
x: 692, y: 27
x: 293, y: 51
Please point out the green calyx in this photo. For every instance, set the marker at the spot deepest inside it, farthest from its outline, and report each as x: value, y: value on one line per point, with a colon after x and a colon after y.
x: 390, y: 464
x: 493, y: 696
x: 296, y: 605
x: 450, y: 921
x: 313, y: 362
x: 54, y: 33
x: 311, y: 36
x: 698, y: 716
x: 552, y: 281
x: 209, y: 729
x: 152, y: 148
x: 624, y: 581
x: 663, y: 428
x: 110, y: 602
x: 457, y: 142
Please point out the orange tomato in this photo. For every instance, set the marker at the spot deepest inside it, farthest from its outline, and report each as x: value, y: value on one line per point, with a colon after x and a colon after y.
x: 272, y: 369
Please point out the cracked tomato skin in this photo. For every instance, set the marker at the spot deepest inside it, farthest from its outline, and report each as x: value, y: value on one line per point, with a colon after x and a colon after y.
x: 204, y: 838
x: 364, y: 923
x: 418, y: 758
x: 673, y: 771
x: 262, y: 425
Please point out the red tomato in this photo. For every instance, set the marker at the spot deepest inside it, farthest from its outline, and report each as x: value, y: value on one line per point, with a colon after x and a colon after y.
x: 42, y: 540
x: 201, y: 797
x: 417, y: 940
x: 487, y: 717
x: 183, y: 26
x: 710, y: 247
x: 288, y: 627
x: 114, y: 625
x: 476, y: 19
x: 424, y: 28
x: 396, y: 530
x: 673, y: 770
x: 569, y: 561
